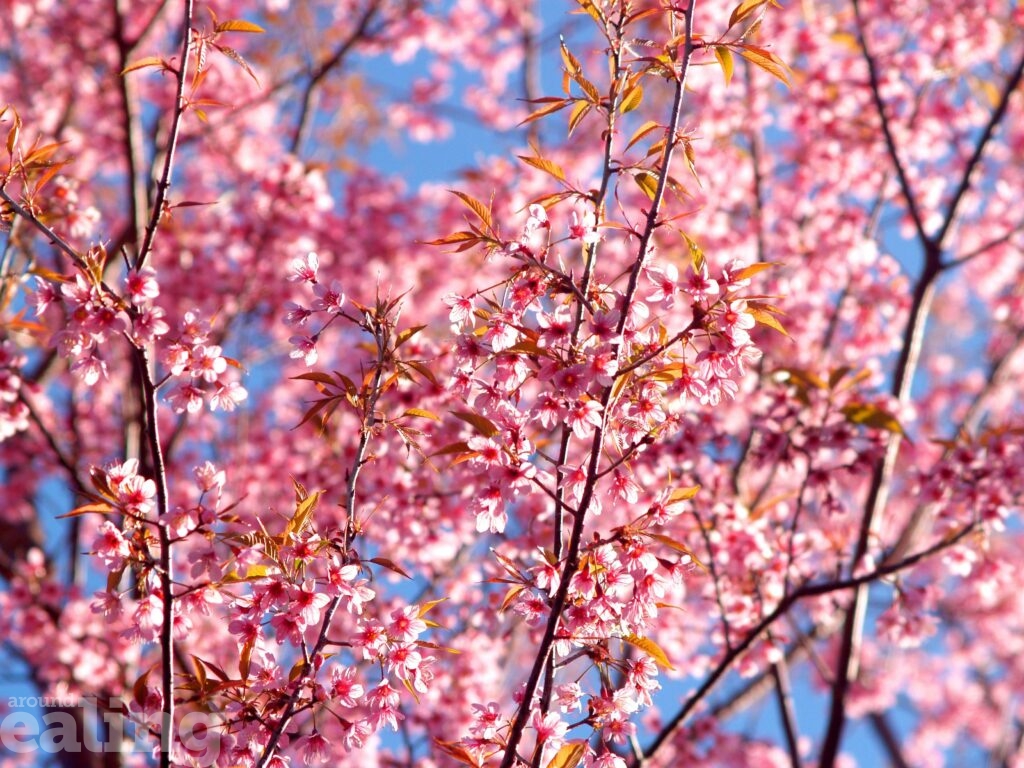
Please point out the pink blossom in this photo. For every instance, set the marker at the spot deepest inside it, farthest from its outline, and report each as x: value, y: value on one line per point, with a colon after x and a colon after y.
x: 344, y: 689
x: 328, y: 298
x: 142, y: 285
x: 461, y: 310
x: 136, y: 495
x: 110, y: 546
x: 148, y: 617
x: 584, y: 228
x: 305, y: 268
x: 308, y: 602
x: 699, y: 284
x: 207, y: 362
x: 304, y: 348
x: 406, y: 625
x: 583, y: 416
x: 550, y: 730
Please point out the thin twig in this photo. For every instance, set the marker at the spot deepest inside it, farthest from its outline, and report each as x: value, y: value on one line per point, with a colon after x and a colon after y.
x: 164, y: 185
x: 576, y: 535
x: 782, y: 609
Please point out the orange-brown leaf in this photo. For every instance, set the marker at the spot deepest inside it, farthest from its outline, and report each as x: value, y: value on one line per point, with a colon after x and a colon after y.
x: 482, y: 211
x: 543, y: 164
x: 239, y: 25
x: 651, y: 648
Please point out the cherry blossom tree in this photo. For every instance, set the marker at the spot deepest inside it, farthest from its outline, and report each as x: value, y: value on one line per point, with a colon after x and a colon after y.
x: 688, y: 395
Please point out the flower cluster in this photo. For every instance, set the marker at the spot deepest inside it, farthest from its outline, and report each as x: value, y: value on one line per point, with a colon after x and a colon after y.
x: 13, y: 413
x: 208, y: 371
x: 328, y: 299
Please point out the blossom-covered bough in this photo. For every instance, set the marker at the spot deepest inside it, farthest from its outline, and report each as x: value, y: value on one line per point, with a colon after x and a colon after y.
x: 703, y: 397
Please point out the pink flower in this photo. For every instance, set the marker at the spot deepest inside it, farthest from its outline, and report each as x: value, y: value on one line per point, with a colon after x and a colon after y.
x: 372, y: 638
x: 288, y: 627
x: 569, y: 696
x: 582, y: 416
x: 227, y: 395
x: 90, y: 369
x: 46, y: 293
x: 142, y: 285
x: 209, y: 478
x: 313, y: 748
x: 344, y: 689
x: 487, y: 721
x: 490, y: 511
x: 699, y: 285
x: 110, y: 546
x: 304, y: 348
x: 148, y: 325
x: 403, y: 660
x: 305, y: 268
x: 343, y: 583
x: 406, y: 624
x: 584, y: 228
x: 735, y: 322
x: 186, y: 397
x: 501, y: 334
x: 550, y: 729
x: 136, y: 495
x: 207, y: 362
x: 328, y: 298
x: 461, y: 310
x: 308, y: 602
x: 148, y: 617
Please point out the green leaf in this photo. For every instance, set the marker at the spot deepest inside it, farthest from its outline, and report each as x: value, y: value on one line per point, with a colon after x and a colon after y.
x: 407, y: 334
x: 303, y: 514
x: 753, y: 269
x: 426, y: 607
x: 764, y: 314
x: 101, y: 507
x: 581, y: 110
x: 554, y: 105
x: 678, y: 546
x: 391, y: 565
x: 591, y: 8
x: 697, y: 259
x: 316, y: 376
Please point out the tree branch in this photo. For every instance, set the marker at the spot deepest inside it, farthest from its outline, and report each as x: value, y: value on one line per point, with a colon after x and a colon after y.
x: 164, y: 184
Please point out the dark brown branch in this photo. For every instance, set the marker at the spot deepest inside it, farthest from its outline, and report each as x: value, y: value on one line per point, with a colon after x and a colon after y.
x: 316, y: 76
x: 979, y: 150
x: 888, y: 738
x: 784, y: 698
x: 890, y: 141
x: 164, y: 184
x: 132, y: 134
x: 783, y: 608
x: 576, y: 535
